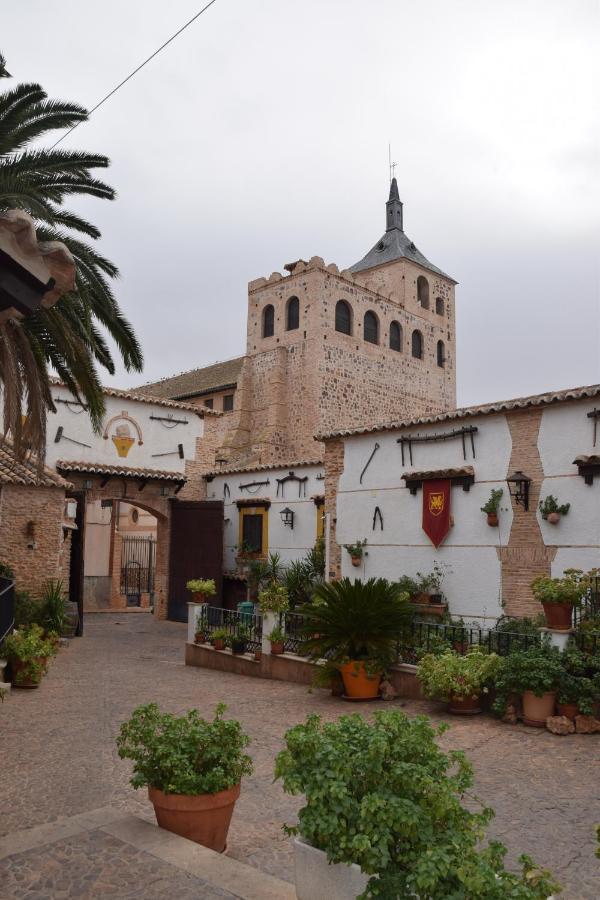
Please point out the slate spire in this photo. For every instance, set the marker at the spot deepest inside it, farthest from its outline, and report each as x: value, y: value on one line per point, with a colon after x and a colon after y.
x: 393, y: 209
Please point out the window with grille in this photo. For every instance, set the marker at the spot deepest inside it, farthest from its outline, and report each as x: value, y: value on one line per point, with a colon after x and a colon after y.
x: 252, y: 531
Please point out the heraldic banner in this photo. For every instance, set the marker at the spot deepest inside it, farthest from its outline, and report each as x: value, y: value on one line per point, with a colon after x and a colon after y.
x: 436, y: 510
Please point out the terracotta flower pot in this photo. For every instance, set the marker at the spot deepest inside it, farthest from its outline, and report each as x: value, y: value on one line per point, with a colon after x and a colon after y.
x: 199, y: 637
x: 558, y: 615
x: 492, y: 519
x: 258, y: 655
x: 537, y: 709
x: 219, y: 644
x: 204, y: 818
x: 356, y: 560
x: 358, y: 685
x: 553, y: 518
x: 464, y: 706
x: 17, y: 666
x: 277, y: 648
x: 199, y: 597
x: 570, y: 710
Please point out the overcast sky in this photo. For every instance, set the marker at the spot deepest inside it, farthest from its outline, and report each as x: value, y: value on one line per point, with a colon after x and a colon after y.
x: 261, y: 136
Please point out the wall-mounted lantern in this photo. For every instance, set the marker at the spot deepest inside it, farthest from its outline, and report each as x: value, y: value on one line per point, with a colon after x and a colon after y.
x: 518, y: 486
x: 287, y: 517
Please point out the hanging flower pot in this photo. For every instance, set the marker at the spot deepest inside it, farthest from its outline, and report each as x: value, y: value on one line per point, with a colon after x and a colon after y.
x: 553, y: 518
x: 492, y: 519
x: 356, y: 552
x: 356, y: 560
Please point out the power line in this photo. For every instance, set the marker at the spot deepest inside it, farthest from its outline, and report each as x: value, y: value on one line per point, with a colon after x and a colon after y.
x: 135, y: 71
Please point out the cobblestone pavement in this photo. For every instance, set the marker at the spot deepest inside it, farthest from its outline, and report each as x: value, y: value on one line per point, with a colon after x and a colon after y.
x: 59, y: 758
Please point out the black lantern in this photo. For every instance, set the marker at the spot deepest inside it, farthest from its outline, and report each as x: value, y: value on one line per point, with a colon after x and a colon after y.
x: 287, y: 516
x: 518, y: 486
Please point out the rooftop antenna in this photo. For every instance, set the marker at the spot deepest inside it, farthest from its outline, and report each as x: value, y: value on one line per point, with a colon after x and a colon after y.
x: 392, y: 165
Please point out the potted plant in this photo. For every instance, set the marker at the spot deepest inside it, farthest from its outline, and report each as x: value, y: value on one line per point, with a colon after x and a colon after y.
x: 54, y: 608
x: 356, y: 626
x: 245, y: 552
x: 457, y: 679
x: 384, y: 816
x: 579, y: 685
x: 492, y: 505
x: 429, y: 585
x: 273, y: 599
x: 277, y: 638
x: 356, y: 551
x: 220, y: 637
x: 201, y: 589
x: 535, y: 674
x: 27, y: 652
x: 551, y: 510
x: 558, y: 596
x: 192, y: 768
x: 239, y: 639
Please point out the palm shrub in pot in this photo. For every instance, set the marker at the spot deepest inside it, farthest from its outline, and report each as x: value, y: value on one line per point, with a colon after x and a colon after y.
x: 192, y: 769
x: 458, y: 679
x: 28, y: 651
x: 558, y: 596
x: 384, y: 816
x: 356, y: 625
x: 535, y: 674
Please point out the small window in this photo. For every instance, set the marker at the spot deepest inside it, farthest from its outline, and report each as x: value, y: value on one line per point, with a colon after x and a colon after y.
x: 441, y: 354
x: 343, y: 317
x: 423, y: 291
x: 227, y: 402
x: 252, y: 531
x: 439, y: 306
x: 268, y: 322
x: 209, y: 403
x: 395, y: 336
x: 371, y: 328
x: 293, y: 314
x: 417, y: 345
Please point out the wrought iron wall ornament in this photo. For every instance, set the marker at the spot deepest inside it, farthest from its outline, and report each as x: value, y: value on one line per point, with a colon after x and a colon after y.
x: 60, y: 435
x: 172, y: 452
x: 226, y: 492
x: 70, y: 403
x: 253, y: 484
x: 595, y: 415
x: 281, y: 482
x: 169, y: 421
x: 410, y: 439
x: 368, y: 463
x: 377, y: 515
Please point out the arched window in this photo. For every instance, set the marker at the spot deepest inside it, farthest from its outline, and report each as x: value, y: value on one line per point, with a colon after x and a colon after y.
x: 268, y: 321
x: 292, y: 320
x: 441, y: 354
x: 439, y: 306
x: 417, y: 345
x: 423, y: 291
x: 395, y: 336
x: 371, y: 328
x: 343, y: 317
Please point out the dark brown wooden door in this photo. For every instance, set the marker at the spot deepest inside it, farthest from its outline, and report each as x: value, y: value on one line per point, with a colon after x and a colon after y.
x: 196, y: 551
x: 76, y: 562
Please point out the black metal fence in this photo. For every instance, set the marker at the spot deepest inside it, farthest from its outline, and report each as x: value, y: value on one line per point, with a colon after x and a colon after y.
x: 138, y: 563
x: 292, y: 624
x: 213, y: 618
x: 434, y: 637
x: 7, y: 607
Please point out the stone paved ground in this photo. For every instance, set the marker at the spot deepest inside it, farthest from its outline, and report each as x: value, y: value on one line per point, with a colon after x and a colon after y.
x: 58, y: 754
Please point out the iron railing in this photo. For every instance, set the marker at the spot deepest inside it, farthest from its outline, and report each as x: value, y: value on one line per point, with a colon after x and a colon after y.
x: 292, y: 624
x: 213, y: 618
x: 7, y: 607
x: 138, y: 561
x: 430, y: 637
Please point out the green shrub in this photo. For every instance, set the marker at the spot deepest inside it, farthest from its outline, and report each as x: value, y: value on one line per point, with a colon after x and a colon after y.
x: 204, y: 586
x: 277, y: 635
x: 184, y: 754
x: 384, y: 796
x: 568, y: 589
x: 54, y: 607
x: 28, y: 646
x: 452, y: 675
x: 538, y: 669
x: 273, y: 599
x: 27, y: 610
x: 491, y: 505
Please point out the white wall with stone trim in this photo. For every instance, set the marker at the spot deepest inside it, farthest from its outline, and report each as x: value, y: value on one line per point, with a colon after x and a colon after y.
x: 289, y: 543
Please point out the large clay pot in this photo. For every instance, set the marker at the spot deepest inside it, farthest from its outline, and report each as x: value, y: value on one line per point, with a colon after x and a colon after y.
x: 570, y: 710
x: 204, y: 818
x: 537, y: 709
x: 219, y: 643
x: 277, y: 648
x: 357, y: 684
x: 558, y: 615
x: 464, y: 706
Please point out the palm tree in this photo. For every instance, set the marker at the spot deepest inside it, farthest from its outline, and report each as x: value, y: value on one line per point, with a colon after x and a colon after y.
x: 70, y: 337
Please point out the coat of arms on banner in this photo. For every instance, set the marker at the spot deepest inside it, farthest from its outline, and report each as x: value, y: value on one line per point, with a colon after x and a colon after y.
x: 436, y: 503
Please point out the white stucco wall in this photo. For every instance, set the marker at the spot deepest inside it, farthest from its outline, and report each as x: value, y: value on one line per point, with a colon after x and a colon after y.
x: 289, y: 543
x: 157, y: 437
x: 97, y: 539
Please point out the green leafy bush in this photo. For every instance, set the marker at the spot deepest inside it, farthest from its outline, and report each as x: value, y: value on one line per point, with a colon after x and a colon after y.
x: 277, y: 635
x: 184, y: 754
x: 551, y: 505
x: 27, y: 610
x: 204, y: 586
x: 452, y: 675
x: 355, y: 620
x: 384, y: 796
x: 491, y: 505
x: 538, y: 669
x: 274, y: 599
x: 568, y: 589
x: 28, y: 647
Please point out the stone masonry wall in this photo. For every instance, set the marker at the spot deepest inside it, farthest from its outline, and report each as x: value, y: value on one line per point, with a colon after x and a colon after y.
x: 334, y: 466
x: 49, y: 556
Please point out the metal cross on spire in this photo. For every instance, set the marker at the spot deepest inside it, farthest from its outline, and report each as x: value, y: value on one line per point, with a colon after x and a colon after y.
x: 392, y: 165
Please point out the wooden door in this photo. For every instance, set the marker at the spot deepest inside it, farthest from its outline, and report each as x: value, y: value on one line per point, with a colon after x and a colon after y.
x: 196, y: 551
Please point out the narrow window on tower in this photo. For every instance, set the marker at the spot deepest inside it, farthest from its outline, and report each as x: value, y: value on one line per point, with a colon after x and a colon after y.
x: 439, y: 306
x: 423, y: 291
x: 396, y: 337
x: 417, y: 345
x: 441, y: 354
x: 268, y: 321
x: 292, y: 314
x: 343, y: 317
x: 371, y: 328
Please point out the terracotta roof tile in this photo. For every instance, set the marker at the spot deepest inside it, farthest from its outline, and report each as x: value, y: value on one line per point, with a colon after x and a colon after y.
x: 234, y: 470
x: 92, y: 468
x: 218, y: 377
x: 580, y: 393
x: 143, y: 397
x: 13, y: 471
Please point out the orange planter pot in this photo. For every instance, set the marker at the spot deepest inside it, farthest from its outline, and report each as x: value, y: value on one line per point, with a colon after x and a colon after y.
x: 204, y: 818
x: 570, y: 710
x: 357, y: 684
x: 537, y: 709
x: 464, y: 706
x: 558, y: 615
x: 277, y: 648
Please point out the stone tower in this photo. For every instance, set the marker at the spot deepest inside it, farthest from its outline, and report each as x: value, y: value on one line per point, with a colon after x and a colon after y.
x: 329, y: 349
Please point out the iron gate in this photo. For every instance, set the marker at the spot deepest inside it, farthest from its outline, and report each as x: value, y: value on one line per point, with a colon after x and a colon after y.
x: 138, y: 562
